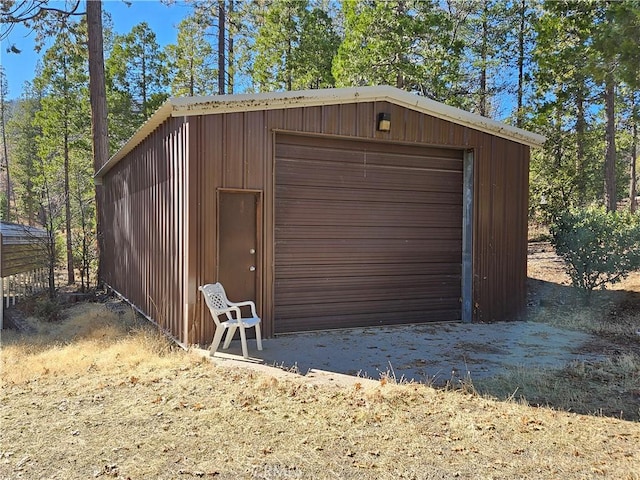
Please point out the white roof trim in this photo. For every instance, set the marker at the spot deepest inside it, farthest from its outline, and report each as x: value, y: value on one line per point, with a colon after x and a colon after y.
x: 189, y: 106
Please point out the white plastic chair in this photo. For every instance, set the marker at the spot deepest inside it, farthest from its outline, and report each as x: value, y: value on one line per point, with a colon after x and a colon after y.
x: 219, y: 304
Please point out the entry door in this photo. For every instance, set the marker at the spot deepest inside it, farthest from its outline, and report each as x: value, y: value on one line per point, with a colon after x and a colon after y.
x: 238, y: 255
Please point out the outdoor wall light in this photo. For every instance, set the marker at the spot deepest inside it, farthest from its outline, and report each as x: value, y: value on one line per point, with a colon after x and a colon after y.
x: 384, y: 122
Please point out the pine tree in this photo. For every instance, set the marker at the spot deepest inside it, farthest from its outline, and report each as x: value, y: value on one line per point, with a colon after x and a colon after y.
x: 22, y: 137
x: 4, y: 92
x: 379, y: 46
x: 191, y: 58
x: 317, y: 46
x: 416, y: 46
x: 588, y: 47
x: 137, y: 70
x: 64, y: 117
x: 275, y: 43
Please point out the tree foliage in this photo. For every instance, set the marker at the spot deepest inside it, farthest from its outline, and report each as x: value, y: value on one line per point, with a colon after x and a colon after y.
x: 317, y: 46
x: 568, y: 69
x: 136, y: 81
x: 63, y: 118
x: 294, y: 47
x: 22, y: 134
x: 4, y: 165
x: 137, y: 71
x: 586, y: 53
x: 191, y: 59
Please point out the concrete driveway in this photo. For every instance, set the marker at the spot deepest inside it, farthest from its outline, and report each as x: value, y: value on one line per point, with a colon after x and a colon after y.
x: 431, y: 353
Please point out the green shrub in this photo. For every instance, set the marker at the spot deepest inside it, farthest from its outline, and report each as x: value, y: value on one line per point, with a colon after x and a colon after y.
x: 598, y: 247
x: 48, y: 310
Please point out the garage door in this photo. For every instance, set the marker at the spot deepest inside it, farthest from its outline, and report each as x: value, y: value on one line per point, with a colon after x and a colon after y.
x: 366, y: 234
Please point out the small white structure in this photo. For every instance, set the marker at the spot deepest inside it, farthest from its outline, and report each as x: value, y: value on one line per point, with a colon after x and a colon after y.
x: 23, y: 260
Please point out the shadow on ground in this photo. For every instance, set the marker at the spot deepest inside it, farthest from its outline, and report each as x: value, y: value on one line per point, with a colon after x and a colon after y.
x: 565, y: 356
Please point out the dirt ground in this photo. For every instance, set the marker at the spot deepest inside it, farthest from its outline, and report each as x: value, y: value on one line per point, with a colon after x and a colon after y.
x: 608, y: 387
x: 100, y: 395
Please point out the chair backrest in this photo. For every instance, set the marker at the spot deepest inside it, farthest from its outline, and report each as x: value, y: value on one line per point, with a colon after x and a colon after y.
x: 216, y: 299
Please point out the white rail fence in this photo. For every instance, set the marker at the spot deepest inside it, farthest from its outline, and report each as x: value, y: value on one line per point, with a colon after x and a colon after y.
x: 22, y: 285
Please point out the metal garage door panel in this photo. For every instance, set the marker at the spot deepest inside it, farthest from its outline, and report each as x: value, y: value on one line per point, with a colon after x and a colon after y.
x: 366, y: 234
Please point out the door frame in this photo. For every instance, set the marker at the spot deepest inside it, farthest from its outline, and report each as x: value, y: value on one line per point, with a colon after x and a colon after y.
x: 467, y: 208
x: 258, y: 194
x: 467, y: 236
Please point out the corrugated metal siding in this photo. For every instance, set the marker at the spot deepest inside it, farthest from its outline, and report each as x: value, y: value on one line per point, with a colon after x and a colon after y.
x: 500, y: 253
x: 143, y: 226
x: 24, y: 248
x: 499, y: 282
x: 237, y: 151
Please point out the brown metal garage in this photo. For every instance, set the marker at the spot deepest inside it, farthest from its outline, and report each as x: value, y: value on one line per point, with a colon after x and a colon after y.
x: 299, y: 201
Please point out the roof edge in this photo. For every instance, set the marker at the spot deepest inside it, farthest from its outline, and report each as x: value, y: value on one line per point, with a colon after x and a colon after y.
x: 154, y: 121
x: 276, y: 100
x: 192, y: 106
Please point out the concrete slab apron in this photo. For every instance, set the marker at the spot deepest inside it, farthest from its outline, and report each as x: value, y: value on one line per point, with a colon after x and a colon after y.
x: 433, y: 353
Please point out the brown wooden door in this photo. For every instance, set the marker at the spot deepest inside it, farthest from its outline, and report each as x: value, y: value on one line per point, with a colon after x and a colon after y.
x: 238, y: 255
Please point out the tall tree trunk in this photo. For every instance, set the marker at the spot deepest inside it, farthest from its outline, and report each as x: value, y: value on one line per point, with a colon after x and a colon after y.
x: 610, y: 155
x: 6, y: 152
x: 192, y: 79
x: 222, y: 48
x: 482, y: 107
x: 98, y: 99
x: 557, y: 148
x: 51, y: 239
x: 400, y: 58
x: 145, y: 113
x: 230, y: 56
x: 633, y: 183
x: 287, y: 64
x: 51, y: 263
x: 71, y: 278
x: 520, y: 95
x: 289, y: 79
x: 581, y: 125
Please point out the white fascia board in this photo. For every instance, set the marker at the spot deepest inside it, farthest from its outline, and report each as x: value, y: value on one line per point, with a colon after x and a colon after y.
x: 192, y: 106
x: 468, y: 119
x: 311, y: 98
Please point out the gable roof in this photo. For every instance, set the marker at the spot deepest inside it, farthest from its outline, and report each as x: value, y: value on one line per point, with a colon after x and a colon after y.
x: 189, y: 106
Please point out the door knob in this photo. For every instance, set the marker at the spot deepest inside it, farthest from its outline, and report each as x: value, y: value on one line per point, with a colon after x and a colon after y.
x: 252, y: 268
x: 252, y: 251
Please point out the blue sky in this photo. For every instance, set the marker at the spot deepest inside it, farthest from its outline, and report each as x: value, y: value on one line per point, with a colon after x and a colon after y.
x: 161, y: 18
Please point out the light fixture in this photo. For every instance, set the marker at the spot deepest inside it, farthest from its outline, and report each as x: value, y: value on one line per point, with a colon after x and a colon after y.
x: 384, y: 122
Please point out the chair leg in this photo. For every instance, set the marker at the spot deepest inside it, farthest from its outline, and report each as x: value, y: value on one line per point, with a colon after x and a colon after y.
x: 243, y: 337
x: 216, y: 339
x: 229, y: 337
x: 258, y: 336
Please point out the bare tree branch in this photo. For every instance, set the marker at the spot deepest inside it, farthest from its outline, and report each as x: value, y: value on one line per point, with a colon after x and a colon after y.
x: 27, y: 11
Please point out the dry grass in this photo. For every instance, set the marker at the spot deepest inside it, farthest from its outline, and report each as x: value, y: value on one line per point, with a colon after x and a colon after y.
x: 610, y: 387
x: 538, y: 232
x: 99, y: 396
